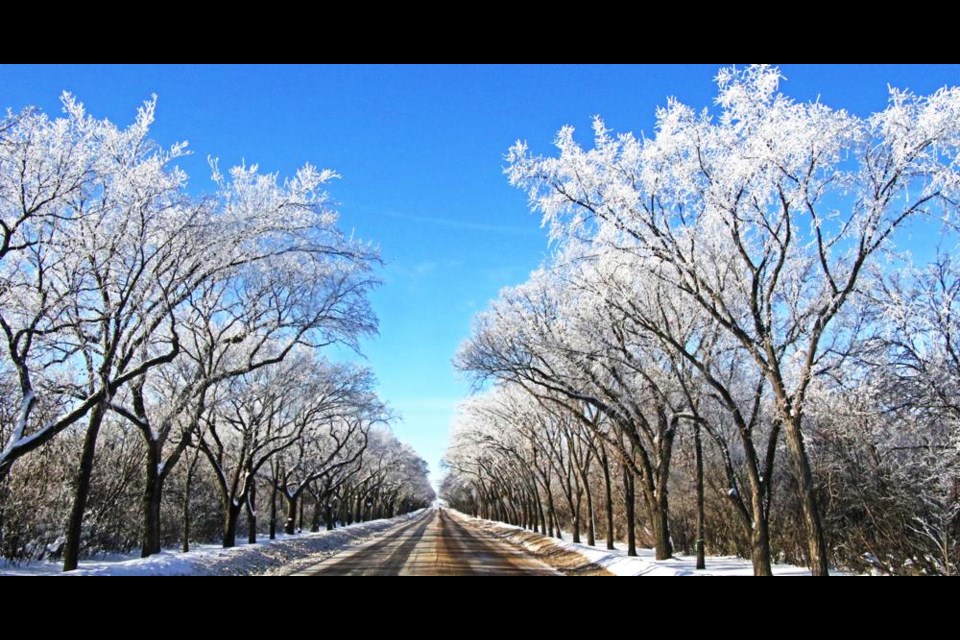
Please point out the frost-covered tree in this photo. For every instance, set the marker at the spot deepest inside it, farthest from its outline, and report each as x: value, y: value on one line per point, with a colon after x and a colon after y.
x: 263, y: 413
x: 78, y: 308
x: 565, y: 334
x: 123, y: 295
x: 329, y: 454
x: 392, y: 480
x: 910, y: 362
x: 764, y: 213
x: 301, y: 284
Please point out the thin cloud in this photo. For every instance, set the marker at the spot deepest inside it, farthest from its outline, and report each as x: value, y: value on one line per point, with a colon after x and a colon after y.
x: 421, y: 270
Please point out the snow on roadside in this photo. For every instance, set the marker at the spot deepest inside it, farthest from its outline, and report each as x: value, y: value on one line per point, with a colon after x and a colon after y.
x: 269, y: 557
x: 619, y: 563
x: 645, y: 563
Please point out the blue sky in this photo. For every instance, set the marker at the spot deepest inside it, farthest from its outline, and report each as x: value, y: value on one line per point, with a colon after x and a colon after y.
x: 421, y: 154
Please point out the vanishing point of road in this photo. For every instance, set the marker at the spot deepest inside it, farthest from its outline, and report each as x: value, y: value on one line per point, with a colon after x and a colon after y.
x: 438, y: 543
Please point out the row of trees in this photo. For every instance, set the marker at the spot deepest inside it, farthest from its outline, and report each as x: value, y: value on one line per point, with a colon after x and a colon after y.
x: 374, y: 476
x: 727, y: 332
x: 143, y: 326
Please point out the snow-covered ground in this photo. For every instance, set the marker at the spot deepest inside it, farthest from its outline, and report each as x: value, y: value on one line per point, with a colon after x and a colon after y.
x: 266, y: 557
x: 619, y: 563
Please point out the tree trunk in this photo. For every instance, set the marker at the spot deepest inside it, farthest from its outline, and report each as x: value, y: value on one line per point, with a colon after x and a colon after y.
x: 513, y: 516
x: 591, y: 526
x: 188, y: 485
x: 608, y: 497
x: 698, y: 462
x: 661, y: 531
x: 186, y: 518
x: 3, y: 513
x: 358, y: 509
x: 552, y: 513
x: 758, y: 528
x: 252, y: 513
x: 328, y: 515
x: 574, y: 509
x: 4, y: 497
x: 317, y: 514
x: 152, y: 492
x: 273, y: 513
x: 543, y: 518
x: 629, y: 500
x: 760, y: 547
x: 71, y: 554
x: 816, y: 543
x: 290, y: 524
x: 231, y: 517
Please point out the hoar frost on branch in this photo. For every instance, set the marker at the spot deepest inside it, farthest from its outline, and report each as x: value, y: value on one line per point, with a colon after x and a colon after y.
x: 128, y: 304
x: 716, y: 273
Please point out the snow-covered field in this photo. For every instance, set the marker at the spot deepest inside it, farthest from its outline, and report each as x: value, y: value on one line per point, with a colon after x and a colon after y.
x: 619, y: 563
x: 269, y: 557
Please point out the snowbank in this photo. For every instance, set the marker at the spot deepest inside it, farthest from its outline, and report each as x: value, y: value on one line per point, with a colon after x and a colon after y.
x: 269, y: 557
x: 619, y: 563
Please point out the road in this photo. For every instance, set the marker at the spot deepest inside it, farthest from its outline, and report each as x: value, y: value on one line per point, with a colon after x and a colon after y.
x: 438, y: 543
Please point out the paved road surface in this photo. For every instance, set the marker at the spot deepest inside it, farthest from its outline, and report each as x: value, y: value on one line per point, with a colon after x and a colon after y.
x: 436, y: 544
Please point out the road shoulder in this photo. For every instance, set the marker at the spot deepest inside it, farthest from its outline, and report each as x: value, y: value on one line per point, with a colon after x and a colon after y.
x: 536, y: 546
